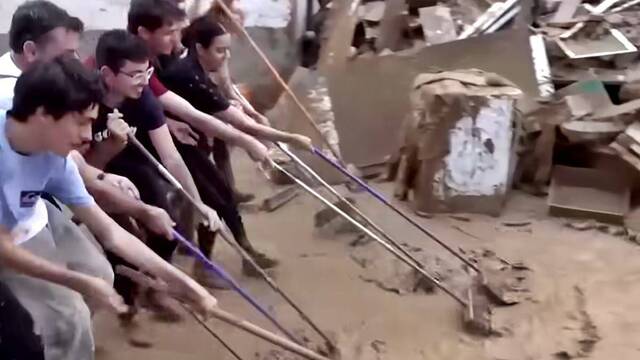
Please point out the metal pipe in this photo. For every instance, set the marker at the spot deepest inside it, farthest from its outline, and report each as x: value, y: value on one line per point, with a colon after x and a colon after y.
x: 218, y: 270
x: 224, y: 233
x: 382, y: 199
x: 371, y: 234
x: 369, y: 222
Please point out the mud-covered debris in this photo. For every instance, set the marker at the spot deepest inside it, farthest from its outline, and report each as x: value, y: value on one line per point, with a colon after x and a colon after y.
x: 360, y: 240
x: 516, y: 223
x: 331, y: 224
x: 612, y: 230
x: 460, y: 218
x: 392, y: 275
x: 580, y: 329
x: 582, y: 225
x: 507, y: 283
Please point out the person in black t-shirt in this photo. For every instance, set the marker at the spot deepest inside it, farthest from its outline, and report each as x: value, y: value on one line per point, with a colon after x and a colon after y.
x: 123, y: 62
x: 188, y: 77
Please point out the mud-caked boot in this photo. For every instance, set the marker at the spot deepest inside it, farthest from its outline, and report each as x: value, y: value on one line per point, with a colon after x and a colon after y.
x: 262, y: 260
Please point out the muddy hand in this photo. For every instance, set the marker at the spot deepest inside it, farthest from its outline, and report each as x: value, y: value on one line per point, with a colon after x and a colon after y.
x: 301, y: 142
x: 103, y: 295
x: 123, y: 184
x: 158, y: 221
x: 188, y: 292
x: 118, y: 128
x: 183, y: 132
x: 211, y: 218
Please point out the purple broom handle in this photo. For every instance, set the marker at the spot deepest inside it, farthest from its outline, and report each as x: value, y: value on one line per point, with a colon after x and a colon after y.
x: 380, y: 197
x: 218, y: 270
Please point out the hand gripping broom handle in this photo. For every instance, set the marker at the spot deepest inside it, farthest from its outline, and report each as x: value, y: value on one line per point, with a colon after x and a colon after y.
x: 218, y: 270
x: 196, y: 252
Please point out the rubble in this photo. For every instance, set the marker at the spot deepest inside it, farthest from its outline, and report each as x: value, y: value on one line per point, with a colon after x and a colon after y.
x: 580, y: 77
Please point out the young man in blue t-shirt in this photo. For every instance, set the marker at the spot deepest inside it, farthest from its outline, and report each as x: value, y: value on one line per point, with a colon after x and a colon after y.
x: 56, y: 279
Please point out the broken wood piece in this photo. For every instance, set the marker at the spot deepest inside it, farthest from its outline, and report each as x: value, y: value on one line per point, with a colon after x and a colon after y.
x: 281, y: 198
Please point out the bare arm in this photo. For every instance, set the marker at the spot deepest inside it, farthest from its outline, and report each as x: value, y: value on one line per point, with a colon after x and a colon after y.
x: 20, y: 260
x: 211, y: 126
x: 117, y: 200
x: 101, y: 153
x: 172, y: 160
x: 241, y: 121
x: 109, y: 197
x: 116, y: 239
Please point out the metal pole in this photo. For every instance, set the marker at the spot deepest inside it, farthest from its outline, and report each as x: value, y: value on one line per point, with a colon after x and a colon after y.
x: 372, y: 235
x: 382, y: 199
x: 369, y: 222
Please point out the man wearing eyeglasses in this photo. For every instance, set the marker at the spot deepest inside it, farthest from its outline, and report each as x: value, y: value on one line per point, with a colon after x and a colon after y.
x: 122, y: 60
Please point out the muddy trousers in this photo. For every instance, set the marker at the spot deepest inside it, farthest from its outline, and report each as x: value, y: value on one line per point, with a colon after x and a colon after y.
x: 60, y: 315
x: 216, y: 192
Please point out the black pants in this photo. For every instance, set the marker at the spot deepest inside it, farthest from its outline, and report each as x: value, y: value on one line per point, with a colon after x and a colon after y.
x: 17, y: 339
x: 216, y: 192
x: 155, y: 191
x: 222, y: 158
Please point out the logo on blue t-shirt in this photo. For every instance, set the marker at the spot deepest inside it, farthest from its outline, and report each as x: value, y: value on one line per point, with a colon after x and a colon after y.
x: 29, y: 198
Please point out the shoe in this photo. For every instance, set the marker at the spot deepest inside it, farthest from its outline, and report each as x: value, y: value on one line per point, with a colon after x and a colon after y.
x: 209, y: 279
x: 242, y: 198
x: 262, y: 260
x: 135, y: 336
x: 163, y: 307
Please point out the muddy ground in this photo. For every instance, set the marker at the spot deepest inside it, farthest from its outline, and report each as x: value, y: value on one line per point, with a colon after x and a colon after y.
x: 581, y: 304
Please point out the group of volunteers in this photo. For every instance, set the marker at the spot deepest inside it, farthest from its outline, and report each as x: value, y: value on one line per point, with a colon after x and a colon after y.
x: 67, y: 133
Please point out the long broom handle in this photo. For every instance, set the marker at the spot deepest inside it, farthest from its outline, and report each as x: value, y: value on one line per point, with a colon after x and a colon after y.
x: 371, y: 234
x: 279, y: 78
x: 218, y: 270
x: 265, y: 335
x: 382, y: 199
x: 237, y: 247
x: 212, y: 332
x: 330, y: 188
x: 196, y: 251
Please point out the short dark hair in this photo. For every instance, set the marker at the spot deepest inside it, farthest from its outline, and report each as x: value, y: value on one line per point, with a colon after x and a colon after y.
x: 203, y: 31
x: 33, y: 20
x: 61, y: 86
x: 115, y: 47
x: 75, y: 24
x: 153, y: 14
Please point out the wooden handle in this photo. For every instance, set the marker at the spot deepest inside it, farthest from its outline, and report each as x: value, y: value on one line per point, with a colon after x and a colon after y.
x: 279, y: 79
x: 266, y: 335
